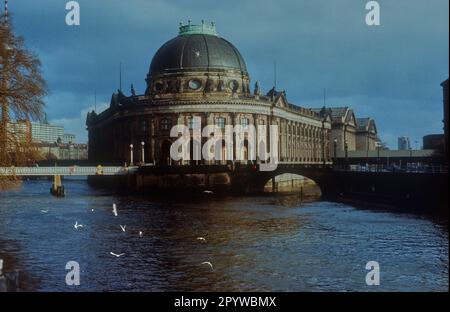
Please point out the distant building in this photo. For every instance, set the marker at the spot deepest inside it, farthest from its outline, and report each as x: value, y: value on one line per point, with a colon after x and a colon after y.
x: 434, y: 142
x: 68, y: 138
x: 49, y: 140
x: 403, y: 144
x: 62, y: 151
x: 21, y: 130
x: 36, y: 132
x: 45, y: 133
x: 366, y: 134
x: 348, y: 132
x: 343, y: 127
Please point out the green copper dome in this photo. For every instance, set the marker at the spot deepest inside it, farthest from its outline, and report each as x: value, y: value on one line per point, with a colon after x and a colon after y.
x: 197, y: 48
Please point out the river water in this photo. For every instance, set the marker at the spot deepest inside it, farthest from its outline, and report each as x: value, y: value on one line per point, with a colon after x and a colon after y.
x: 270, y: 243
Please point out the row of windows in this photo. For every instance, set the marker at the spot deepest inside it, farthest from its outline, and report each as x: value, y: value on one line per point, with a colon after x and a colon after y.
x: 220, y: 122
x: 195, y: 84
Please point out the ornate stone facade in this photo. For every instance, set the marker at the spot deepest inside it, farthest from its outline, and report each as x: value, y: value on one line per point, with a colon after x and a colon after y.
x: 366, y: 134
x: 200, y: 74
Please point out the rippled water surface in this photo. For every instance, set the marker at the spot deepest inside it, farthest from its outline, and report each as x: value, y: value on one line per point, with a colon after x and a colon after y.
x: 253, y: 243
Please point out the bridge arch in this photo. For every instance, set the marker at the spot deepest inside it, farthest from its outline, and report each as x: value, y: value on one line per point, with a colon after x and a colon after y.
x: 293, y: 183
x: 321, y: 175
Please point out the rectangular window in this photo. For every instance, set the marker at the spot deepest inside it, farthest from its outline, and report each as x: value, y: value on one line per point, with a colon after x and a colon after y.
x: 244, y: 122
x: 220, y: 122
x: 143, y: 125
x: 194, y: 122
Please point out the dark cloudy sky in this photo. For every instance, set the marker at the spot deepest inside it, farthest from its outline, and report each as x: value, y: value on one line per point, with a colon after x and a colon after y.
x: 390, y: 72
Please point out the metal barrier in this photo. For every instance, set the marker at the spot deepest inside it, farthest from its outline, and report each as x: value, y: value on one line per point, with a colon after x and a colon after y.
x: 65, y: 171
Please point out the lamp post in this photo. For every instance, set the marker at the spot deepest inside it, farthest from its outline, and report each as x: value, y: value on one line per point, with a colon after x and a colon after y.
x: 142, y: 151
x: 367, y: 151
x: 346, y: 152
x: 131, y: 154
x: 335, y: 148
x: 378, y: 155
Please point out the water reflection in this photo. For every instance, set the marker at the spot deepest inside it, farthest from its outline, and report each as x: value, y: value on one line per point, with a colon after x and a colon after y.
x: 255, y: 243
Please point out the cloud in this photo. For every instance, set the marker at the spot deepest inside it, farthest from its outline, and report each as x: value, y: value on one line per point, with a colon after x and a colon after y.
x: 391, y: 72
x: 77, y: 125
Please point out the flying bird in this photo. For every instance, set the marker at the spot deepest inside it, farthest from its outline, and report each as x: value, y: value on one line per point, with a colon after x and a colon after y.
x: 208, y: 192
x: 76, y: 225
x: 208, y: 263
x: 92, y: 209
x: 140, y: 233
x: 44, y: 210
x: 114, y: 210
x: 123, y: 227
x: 116, y: 255
x: 202, y: 239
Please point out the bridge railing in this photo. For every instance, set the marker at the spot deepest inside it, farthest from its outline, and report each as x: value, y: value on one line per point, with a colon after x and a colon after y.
x: 74, y: 170
x: 384, y: 168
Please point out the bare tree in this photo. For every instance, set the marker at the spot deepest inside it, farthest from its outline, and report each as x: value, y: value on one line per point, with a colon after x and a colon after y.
x: 22, y: 89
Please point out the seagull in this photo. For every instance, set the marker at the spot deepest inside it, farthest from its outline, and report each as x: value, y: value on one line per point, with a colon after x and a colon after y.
x: 208, y: 192
x: 123, y: 227
x: 114, y: 210
x: 208, y: 263
x: 76, y: 225
x: 92, y: 209
x: 140, y: 233
x: 201, y: 239
x: 116, y: 255
x: 44, y: 210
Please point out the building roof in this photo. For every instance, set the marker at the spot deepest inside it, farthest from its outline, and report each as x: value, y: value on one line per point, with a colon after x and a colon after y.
x: 196, y: 48
x: 338, y: 114
x: 366, y: 124
x: 335, y: 112
x: 362, y: 123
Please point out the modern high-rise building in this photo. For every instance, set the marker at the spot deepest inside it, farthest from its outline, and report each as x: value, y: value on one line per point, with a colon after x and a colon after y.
x: 44, y: 132
x: 404, y: 144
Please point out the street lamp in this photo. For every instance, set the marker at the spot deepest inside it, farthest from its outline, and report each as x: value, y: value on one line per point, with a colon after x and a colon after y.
x: 142, y: 151
x: 335, y: 148
x: 131, y: 154
x: 346, y: 152
x: 378, y: 145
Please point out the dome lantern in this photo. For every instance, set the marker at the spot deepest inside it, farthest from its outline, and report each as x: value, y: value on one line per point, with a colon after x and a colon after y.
x: 195, y: 29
